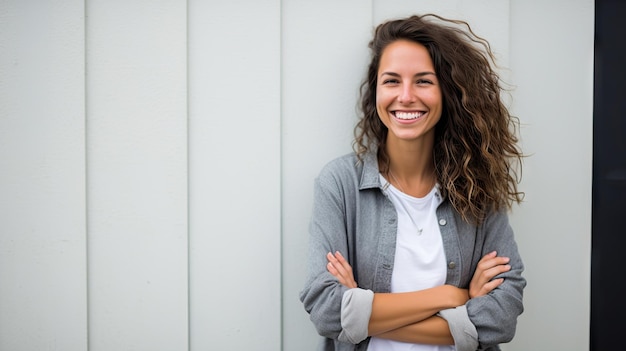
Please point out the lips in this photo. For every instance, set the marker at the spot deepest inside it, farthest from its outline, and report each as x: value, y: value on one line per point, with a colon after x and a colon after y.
x: 408, y: 115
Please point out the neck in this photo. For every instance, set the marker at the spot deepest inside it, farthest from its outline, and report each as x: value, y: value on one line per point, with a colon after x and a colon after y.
x: 412, y: 159
x: 411, y: 166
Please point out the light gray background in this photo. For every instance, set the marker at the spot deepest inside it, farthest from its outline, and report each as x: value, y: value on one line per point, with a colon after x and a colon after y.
x: 157, y: 160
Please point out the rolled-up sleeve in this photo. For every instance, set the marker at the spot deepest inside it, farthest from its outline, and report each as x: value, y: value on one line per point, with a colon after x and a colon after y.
x: 356, y: 309
x: 463, y: 331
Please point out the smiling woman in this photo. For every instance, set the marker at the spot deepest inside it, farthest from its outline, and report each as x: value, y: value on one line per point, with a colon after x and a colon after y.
x: 409, y: 104
x: 410, y: 244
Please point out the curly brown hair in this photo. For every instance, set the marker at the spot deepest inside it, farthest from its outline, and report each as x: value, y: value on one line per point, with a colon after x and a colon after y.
x: 475, y: 150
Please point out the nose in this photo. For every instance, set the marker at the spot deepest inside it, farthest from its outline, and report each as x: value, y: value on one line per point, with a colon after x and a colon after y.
x: 406, y: 95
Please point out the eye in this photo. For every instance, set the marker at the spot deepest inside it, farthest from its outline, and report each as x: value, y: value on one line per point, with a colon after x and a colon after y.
x: 390, y: 81
x: 423, y: 82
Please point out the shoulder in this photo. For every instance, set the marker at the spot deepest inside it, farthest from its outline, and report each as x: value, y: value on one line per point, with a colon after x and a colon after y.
x: 340, y: 176
x: 348, y: 171
x: 496, y: 220
x: 343, y: 167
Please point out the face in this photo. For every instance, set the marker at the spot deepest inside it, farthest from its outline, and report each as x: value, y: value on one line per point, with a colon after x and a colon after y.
x: 408, y: 95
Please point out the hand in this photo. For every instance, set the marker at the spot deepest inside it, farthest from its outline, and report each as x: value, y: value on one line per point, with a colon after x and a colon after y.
x: 340, y: 269
x: 488, y: 267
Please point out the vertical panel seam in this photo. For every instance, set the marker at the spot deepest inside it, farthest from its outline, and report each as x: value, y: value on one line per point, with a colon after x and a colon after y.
x: 281, y: 271
x: 86, y: 160
x: 187, y: 113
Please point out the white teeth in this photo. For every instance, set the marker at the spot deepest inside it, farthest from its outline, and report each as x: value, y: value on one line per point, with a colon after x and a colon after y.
x: 408, y: 115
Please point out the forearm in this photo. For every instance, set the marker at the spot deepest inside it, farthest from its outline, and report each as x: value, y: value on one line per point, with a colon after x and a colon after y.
x: 433, y: 330
x: 391, y: 311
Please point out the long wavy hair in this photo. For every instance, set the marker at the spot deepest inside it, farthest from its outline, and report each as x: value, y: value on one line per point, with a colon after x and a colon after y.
x: 476, y: 155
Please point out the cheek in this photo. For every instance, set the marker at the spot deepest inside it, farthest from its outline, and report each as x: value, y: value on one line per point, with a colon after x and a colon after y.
x: 381, y: 109
x: 383, y: 100
x: 437, y: 98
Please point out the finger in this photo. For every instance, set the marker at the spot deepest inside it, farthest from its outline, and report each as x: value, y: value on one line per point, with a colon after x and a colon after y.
x: 331, y: 269
x: 490, y: 258
x: 486, y: 288
x: 342, y: 265
x: 489, y: 287
x: 493, y: 272
x: 341, y: 270
x: 345, y: 281
x: 342, y: 260
x: 487, y: 263
x: 332, y: 259
x: 348, y: 275
x: 488, y: 275
x: 340, y: 257
x: 490, y: 255
x: 482, y: 276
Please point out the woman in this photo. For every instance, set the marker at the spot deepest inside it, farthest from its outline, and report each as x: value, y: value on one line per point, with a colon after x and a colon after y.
x: 410, y: 245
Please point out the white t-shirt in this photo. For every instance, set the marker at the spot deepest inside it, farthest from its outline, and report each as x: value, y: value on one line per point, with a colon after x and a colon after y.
x: 420, y: 262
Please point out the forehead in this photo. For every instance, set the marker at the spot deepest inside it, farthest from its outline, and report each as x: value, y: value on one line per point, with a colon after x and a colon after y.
x: 405, y: 55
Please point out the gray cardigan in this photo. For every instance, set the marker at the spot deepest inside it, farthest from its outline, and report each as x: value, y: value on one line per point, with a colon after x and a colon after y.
x: 351, y: 214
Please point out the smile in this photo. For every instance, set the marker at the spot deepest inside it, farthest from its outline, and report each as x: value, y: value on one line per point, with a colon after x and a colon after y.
x: 408, y: 115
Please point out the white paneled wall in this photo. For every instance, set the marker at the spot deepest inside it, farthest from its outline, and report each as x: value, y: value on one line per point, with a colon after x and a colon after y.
x: 136, y: 95
x: 234, y: 173
x: 157, y: 161
x: 43, y: 282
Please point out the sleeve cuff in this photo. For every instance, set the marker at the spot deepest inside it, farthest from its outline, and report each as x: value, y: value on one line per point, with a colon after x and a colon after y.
x: 356, y: 309
x: 463, y: 331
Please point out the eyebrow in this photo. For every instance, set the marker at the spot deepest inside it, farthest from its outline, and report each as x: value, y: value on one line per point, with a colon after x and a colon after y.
x: 421, y: 74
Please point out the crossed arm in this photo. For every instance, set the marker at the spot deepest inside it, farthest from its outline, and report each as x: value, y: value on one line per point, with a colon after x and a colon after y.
x: 411, y: 316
